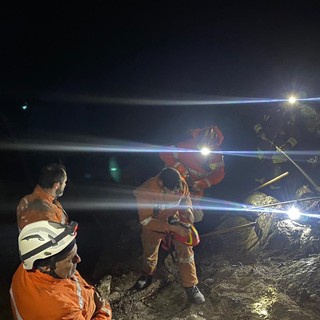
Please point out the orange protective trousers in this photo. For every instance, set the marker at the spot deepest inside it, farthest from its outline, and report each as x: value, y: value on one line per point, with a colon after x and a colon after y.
x: 151, y: 241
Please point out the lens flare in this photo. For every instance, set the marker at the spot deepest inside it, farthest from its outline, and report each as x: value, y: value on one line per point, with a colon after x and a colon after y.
x: 294, y: 213
x: 205, y: 151
x: 292, y: 100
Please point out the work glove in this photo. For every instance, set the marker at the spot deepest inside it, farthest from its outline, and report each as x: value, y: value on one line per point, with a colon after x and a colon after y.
x: 279, y: 157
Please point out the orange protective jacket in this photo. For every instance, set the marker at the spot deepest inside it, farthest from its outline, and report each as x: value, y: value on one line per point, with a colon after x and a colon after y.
x: 155, y: 205
x: 35, y: 295
x: 206, y: 170
x: 39, y: 205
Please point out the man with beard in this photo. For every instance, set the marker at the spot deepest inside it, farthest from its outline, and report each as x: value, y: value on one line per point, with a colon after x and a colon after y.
x: 42, y: 204
x: 47, y: 284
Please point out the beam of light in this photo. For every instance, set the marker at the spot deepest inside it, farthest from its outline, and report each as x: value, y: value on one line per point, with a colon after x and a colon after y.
x: 120, y: 199
x: 163, y: 102
x: 170, y: 102
x: 97, y: 204
x: 309, y: 99
x: 120, y: 146
x: 105, y: 146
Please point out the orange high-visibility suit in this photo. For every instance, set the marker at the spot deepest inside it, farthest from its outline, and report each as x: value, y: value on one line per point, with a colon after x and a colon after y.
x: 36, y: 295
x: 40, y: 205
x: 154, y: 207
x: 206, y: 170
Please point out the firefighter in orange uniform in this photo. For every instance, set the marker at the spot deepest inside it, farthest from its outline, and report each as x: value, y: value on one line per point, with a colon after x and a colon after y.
x: 162, y: 199
x: 42, y: 204
x: 47, y: 285
x: 202, y: 167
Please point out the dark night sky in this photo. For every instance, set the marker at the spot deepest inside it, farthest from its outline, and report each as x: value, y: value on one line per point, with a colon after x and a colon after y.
x: 154, y: 50
x: 117, y: 48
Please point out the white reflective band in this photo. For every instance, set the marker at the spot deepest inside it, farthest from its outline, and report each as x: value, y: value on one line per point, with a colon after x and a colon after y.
x: 257, y: 127
x: 79, y: 292
x: 176, y: 165
x: 106, y: 310
x: 146, y: 221
x: 15, y: 306
x: 186, y: 260
x: 208, y: 183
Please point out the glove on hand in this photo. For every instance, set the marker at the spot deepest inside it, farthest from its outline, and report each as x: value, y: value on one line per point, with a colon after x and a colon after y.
x: 279, y: 158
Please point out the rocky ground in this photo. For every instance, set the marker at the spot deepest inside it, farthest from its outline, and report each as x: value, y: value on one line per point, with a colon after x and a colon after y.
x: 265, y: 270
x: 270, y: 272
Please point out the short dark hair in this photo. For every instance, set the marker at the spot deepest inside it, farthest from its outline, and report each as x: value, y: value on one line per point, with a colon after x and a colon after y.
x: 170, y: 178
x: 51, y: 174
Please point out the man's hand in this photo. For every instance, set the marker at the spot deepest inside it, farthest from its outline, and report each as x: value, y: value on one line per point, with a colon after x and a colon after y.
x: 187, y: 216
x: 98, y: 300
x: 178, y: 229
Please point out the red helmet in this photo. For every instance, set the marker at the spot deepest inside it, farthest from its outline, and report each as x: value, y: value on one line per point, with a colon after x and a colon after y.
x: 192, y: 239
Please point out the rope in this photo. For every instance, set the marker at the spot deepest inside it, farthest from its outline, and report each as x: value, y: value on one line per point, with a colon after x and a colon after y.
x: 213, y: 233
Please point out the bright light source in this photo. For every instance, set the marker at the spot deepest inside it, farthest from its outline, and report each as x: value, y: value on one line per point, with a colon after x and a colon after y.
x: 292, y: 100
x: 24, y: 107
x: 205, y: 151
x: 294, y: 213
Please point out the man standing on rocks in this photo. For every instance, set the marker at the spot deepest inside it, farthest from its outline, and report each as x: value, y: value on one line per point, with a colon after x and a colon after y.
x: 162, y: 199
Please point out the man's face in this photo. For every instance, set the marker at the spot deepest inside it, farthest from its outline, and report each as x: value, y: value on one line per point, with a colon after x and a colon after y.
x: 67, y: 267
x: 62, y: 185
x: 175, y: 190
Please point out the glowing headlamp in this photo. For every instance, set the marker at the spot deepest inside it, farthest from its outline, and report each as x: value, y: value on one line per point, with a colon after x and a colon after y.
x: 292, y: 100
x: 205, y: 151
x: 294, y: 213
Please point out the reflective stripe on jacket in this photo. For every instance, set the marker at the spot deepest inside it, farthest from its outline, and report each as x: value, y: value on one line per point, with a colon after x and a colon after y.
x: 35, y: 295
x: 156, y: 205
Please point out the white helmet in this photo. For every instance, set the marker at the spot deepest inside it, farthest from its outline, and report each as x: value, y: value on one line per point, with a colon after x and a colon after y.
x: 43, y: 239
